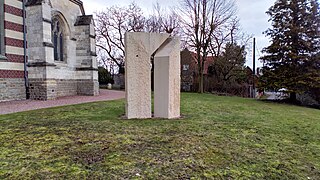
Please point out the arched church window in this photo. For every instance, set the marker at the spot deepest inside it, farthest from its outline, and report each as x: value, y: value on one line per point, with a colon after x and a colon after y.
x: 57, y: 39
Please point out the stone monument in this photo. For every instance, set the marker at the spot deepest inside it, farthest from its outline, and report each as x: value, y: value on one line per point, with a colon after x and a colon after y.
x: 141, y: 48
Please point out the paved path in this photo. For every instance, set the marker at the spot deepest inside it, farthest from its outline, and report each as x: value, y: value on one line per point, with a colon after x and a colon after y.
x: 275, y: 95
x: 26, y: 105
x: 271, y: 95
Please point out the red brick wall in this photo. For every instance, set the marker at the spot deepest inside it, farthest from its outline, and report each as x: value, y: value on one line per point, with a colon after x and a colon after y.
x: 15, y: 58
x: 13, y: 10
x: 14, y: 42
x: 13, y: 26
x: 11, y: 74
x: 12, y: 80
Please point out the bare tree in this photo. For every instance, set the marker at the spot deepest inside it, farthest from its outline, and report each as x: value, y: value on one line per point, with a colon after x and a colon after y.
x: 162, y: 20
x: 111, y: 26
x: 107, y: 63
x: 114, y: 22
x: 201, y: 19
x: 229, y: 33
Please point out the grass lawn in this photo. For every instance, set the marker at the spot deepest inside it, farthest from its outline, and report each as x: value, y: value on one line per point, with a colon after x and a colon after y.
x: 220, y: 137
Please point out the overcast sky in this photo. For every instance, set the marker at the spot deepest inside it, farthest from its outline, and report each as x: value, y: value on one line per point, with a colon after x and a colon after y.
x: 251, y: 13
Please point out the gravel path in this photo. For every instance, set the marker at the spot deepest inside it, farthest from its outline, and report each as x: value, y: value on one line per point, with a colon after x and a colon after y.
x: 26, y: 105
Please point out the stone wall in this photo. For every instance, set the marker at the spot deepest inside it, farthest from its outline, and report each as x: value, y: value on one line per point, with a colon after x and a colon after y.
x: 66, y: 87
x: 71, y: 87
x: 42, y: 89
x: 77, y: 73
x: 12, y: 89
x: 88, y: 87
x: 48, y: 78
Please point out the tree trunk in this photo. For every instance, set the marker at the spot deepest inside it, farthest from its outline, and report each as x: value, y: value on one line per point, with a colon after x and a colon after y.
x: 201, y: 82
x: 200, y: 78
x: 121, y: 69
x: 293, y: 97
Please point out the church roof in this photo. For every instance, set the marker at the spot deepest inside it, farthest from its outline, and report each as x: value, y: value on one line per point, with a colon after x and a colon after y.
x: 83, y: 20
x: 39, y: 2
x: 34, y: 2
x: 80, y: 4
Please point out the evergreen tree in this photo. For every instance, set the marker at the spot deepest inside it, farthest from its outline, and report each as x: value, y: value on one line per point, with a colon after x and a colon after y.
x: 104, y: 76
x: 291, y: 60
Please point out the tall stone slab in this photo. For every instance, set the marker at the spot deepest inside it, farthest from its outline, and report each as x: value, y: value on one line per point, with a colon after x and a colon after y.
x: 139, y: 48
x: 167, y: 80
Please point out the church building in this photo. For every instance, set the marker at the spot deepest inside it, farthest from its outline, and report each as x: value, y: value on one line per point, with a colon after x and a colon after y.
x: 48, y: 51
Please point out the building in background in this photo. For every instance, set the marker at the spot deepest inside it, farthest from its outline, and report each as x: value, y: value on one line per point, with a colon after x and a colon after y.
x: 189, y: 70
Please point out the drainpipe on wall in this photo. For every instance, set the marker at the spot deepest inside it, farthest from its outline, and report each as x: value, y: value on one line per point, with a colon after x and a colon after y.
x: 26, y: 83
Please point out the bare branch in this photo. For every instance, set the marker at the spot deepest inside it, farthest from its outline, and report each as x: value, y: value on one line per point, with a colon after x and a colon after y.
x: 201, y: 19
x: 111, y: 26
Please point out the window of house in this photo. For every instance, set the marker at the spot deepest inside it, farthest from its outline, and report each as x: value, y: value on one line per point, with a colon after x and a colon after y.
x: 185, y: 67
x: 2, y: 45
x: 58, y: 39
